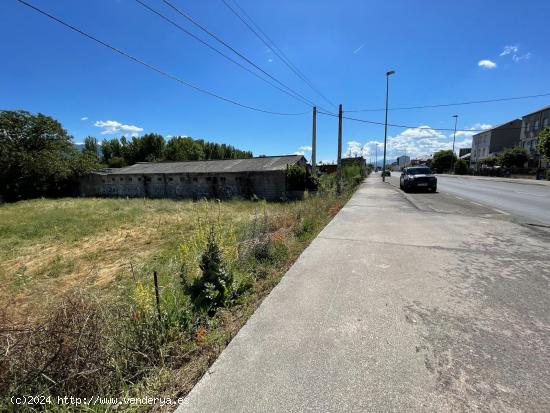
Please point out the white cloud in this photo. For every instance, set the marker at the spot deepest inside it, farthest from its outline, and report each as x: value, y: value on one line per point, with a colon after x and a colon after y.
x: 418, y: 143
x: 464, y: 133
x: 509, y: 50
x: 358, y: 49
x: 84, y: 118
x: 487, y: 64
x: 513, y: 51
x: 483, y: 126
x: 367, y: 150
x: 354, y: 149
x: 112, y: 127
x: 302, y: 150
x: 517, y: 58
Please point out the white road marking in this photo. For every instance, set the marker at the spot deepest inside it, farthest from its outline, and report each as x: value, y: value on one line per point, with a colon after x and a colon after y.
x: 475, y: 203
x: 457, y: 197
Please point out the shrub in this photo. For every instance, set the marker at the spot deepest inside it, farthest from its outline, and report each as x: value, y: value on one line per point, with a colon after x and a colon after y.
x: 300, y: 178
x: 543, y: 143
x: 351, y: 171
x: 213, y: 287
x: 461, y: 167
x: 514, y: 157
x: 70, y: 352
x: 489, y: 161
x: 442, y: 160
x: 296, y: 177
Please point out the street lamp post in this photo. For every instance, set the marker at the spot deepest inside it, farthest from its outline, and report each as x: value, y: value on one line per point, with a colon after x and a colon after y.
x: 388, y: 74
x: 454, y: 137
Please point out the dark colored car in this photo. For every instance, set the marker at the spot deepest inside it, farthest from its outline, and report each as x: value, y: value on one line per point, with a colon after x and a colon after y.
x: 387, y: 172
x: 418, y: 177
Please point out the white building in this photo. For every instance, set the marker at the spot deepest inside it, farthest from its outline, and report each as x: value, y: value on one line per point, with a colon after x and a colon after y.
x: 403, y: 161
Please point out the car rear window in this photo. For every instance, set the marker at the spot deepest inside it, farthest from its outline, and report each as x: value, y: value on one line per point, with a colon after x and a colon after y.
x: 419, y: 171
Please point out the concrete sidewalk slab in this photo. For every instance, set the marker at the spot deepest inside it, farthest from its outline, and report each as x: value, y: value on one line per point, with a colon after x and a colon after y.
x: 395, y: 309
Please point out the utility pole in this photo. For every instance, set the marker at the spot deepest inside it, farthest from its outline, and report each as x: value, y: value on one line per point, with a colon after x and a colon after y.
x: 314, y: 141
x: 376, y: 158
x: 388, y: 74
x: 454, y: 137
x: 339, y: 161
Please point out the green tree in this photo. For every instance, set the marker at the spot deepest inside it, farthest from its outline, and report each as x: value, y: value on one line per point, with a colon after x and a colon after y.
x: 543, y: 143
x: 513, y: 157
x: 489, y: 161
x: 37, y: 157
x: 91, y: 146
x: 182, y: 148
x: 461, y: 167
x: 146, y: 148
x: 442, y: 160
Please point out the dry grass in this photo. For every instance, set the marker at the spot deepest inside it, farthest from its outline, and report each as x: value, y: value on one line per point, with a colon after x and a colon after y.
x: 39, y: 269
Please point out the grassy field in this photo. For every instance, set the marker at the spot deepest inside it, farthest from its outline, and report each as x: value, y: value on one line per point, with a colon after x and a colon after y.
x: 76, y: 287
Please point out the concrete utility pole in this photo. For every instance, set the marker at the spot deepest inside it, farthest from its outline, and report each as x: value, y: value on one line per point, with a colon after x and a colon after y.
x: 339, y: 161
x: 314, y: 141
x: 388, y: 74
x: 454, y: 137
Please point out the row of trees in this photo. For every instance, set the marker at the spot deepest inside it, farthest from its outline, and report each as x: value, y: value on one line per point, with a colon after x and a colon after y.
x: 152, y: 147
x: 38, y: 157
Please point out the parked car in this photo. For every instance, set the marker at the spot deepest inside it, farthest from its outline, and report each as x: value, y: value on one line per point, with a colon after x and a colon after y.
x: 418, y: 177
x: 387, y: 172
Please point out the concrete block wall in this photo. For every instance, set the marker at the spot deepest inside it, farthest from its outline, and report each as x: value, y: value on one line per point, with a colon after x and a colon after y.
x: 265, y: 185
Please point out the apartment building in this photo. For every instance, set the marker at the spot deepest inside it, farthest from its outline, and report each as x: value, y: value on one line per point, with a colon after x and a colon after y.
x: 493, y: 141
x: 532, y: 124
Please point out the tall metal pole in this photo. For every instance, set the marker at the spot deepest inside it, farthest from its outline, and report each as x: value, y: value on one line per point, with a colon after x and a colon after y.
x: 376, y: 158
x: 388, y: 74
x: 339, y: 162
x: 314, y: 141
x: 454, y: 137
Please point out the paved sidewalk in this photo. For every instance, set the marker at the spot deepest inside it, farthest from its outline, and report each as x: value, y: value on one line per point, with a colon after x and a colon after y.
x: 395, y: 309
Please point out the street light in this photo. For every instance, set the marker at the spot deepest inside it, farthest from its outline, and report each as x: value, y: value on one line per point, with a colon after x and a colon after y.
x: 454, y: 137
x: 388, y: 74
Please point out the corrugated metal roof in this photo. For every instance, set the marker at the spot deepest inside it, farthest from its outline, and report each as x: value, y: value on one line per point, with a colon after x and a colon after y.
x: 268, y: 163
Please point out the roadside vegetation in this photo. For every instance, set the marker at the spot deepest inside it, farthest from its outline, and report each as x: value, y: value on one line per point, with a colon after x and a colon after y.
x: 80, y: 314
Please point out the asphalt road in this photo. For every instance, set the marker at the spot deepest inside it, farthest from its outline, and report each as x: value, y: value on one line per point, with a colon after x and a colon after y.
x: 402, y: 303
x: 530, y: 203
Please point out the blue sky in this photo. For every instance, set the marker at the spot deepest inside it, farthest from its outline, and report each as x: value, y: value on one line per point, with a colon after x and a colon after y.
x: 343, y: 47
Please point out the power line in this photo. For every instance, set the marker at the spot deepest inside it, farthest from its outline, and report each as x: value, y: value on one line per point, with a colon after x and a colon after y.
x: 278, y: 52
x: 472, y: 102
x: 412, y: 127
x: 183, y: 29
x: 220, y: 40
x: 154, y: 68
